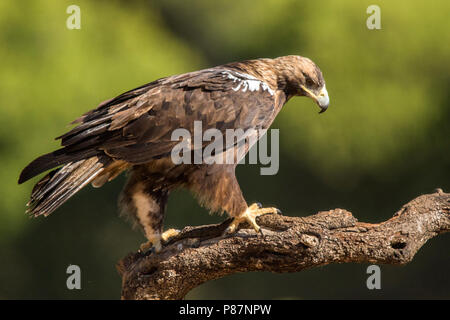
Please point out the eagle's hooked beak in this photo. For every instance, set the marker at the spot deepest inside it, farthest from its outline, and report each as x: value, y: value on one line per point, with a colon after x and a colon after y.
x: 321, y: 99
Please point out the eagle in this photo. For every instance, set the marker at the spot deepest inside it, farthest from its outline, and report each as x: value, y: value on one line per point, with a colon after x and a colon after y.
x: 132, y: 132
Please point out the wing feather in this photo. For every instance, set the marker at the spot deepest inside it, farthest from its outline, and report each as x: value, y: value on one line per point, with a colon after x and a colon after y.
x: 137, y: 126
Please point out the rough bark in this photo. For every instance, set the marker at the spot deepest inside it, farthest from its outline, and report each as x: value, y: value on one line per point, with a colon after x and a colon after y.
x: 289, y: 244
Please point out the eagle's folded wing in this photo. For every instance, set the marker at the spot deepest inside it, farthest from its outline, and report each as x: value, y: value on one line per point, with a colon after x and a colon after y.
x: 139, y: 128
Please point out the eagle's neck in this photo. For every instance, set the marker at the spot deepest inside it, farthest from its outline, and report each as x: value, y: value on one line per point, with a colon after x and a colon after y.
x: 277, y: 73
x: 261, y: 69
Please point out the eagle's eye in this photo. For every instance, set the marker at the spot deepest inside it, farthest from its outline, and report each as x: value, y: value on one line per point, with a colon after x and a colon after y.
x: 309, y: 82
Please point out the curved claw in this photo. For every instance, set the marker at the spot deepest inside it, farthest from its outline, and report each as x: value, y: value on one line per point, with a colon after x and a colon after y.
x: 154, y: 242
x: 249, y: 215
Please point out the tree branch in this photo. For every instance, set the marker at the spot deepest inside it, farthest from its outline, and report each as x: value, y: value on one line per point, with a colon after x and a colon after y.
x: 289, y: 244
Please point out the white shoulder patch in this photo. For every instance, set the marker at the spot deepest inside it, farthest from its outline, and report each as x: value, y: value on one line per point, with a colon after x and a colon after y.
x: 247, y: 82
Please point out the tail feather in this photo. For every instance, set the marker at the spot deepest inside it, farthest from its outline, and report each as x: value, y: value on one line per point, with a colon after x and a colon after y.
x: 51, y: 180
x: 52, y: 160
x: 60, y: 184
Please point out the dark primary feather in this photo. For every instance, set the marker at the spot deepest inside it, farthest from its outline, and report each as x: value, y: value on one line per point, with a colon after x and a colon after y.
x: 52, y: 160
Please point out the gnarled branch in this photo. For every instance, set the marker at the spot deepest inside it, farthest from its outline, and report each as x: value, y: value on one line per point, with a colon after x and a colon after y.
x: 289, y: 244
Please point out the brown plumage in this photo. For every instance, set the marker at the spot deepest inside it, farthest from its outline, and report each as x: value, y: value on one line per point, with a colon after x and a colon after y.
x: 133, y: 132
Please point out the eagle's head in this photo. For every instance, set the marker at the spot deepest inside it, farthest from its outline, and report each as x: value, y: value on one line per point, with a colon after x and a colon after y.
x: 299, y: 76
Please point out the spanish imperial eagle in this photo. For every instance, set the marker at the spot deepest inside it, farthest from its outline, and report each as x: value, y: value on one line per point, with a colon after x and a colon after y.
x: 132, y: 132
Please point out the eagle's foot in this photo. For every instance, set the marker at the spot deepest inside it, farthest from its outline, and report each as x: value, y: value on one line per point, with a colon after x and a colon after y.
x: 249, y: 215
x: 170, y: 233
x: 154, y: 243
x: 155, y: 240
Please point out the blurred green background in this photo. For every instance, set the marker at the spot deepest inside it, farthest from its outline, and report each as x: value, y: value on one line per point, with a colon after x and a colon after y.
x: 383, y: 141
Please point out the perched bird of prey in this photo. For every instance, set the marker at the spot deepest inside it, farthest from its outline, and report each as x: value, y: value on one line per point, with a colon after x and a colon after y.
x: 132, y: 132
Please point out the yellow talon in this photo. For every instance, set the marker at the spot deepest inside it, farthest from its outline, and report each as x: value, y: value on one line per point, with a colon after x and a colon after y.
x: 152, y: 243
x: 170, y: 233
x: 155, y: 240
x: 249, y: 215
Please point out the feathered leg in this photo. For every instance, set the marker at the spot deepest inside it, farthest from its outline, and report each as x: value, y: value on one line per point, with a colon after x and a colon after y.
x: 220, y: 191
x: 147, y: 207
